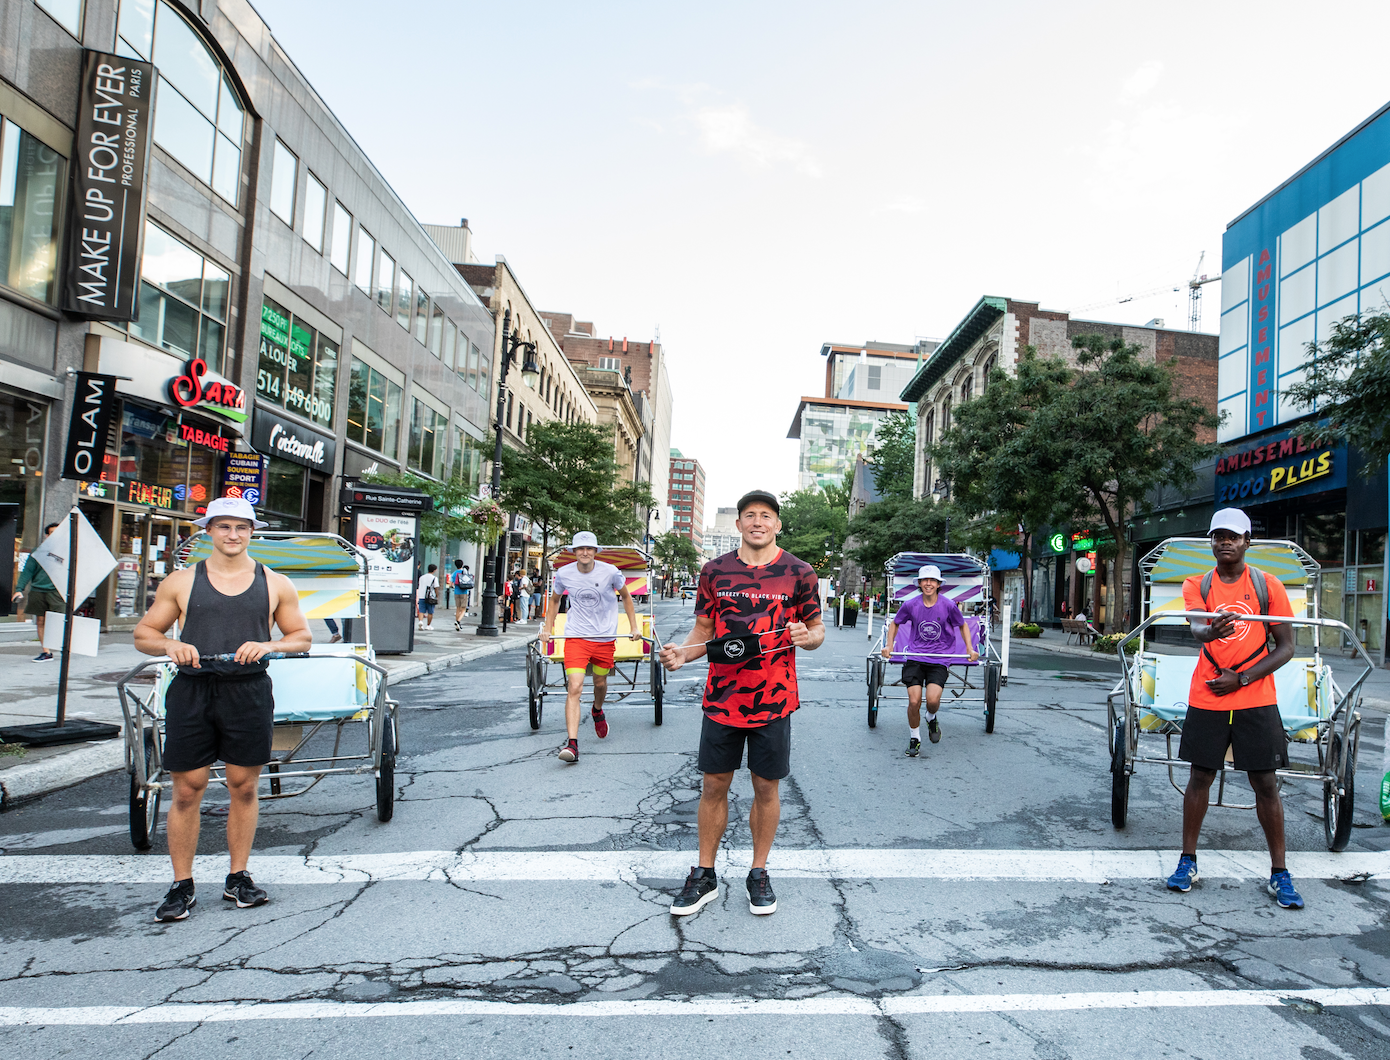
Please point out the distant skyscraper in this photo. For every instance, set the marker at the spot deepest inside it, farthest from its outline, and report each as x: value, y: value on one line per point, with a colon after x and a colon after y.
x: 686, y: 497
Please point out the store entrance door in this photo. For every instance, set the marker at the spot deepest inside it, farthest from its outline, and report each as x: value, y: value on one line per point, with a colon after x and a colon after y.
x: 166, y: 534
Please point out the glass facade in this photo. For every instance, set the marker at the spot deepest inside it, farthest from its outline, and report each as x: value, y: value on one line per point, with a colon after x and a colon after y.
x: 374, y: 410
x: 297, y: 367
x: 32, y: 178
x: 183, y: 299
x: 427, y: 440
x: 23, y: 438
x: 831, y: 437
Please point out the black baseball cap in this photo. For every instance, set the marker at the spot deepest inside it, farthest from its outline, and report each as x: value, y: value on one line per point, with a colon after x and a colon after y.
x: 759, y: 497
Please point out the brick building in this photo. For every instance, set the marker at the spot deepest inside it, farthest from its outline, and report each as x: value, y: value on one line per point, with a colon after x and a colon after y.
x: 686, y: 497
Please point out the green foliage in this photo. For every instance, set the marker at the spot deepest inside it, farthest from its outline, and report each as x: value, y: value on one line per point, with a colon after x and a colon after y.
x: 1108, y: 644
x: 894, y: 456
x: 450, y: 496
x: 900, y: 525
x: 674, y: 552
x: 1348, y: 382
x: 814, y: 523
x: 1025, y: 629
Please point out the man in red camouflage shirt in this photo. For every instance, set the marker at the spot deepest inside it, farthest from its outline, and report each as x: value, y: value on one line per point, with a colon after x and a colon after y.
x: 754, y: 606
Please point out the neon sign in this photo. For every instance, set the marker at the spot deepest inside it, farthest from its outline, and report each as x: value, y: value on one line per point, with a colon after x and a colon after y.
x: 199, y: 387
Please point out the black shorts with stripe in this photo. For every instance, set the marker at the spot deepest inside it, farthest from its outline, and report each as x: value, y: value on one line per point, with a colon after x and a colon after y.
x: 1255, y: 736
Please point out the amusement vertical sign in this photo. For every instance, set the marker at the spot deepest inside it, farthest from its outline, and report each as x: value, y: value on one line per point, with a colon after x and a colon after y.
x: 110, y: 155
x: 1263, y: 325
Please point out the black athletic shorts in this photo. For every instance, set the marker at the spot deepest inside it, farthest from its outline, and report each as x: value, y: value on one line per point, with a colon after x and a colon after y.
x: 1255, y: 736
x: 920, y: 673
x: 210, y: 719
x: 769, y: 748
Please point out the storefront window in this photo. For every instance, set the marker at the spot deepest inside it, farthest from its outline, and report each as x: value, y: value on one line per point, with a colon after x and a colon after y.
x: 32, y: 177
x: 427, y: 440
x: 297, y: 367
x: 374, y: 409
x: 1323, y: 537
x: 23, y: 432
x: 284, y: 501
x: 183, y: 299
x: 469, y: 454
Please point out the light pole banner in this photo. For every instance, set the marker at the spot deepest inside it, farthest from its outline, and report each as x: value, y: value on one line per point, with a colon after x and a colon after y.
x: 94, y: 404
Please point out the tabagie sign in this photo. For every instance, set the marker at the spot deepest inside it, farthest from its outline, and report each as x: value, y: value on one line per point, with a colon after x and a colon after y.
x: 110, y: 155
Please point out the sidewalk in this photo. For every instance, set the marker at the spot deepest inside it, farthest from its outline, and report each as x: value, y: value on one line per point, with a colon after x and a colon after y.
x: 28, y: 695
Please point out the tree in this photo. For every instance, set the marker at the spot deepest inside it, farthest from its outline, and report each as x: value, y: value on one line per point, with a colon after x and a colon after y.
x: 674, y: 551
x: 894, y: 456
x: 896, y: 525
x: 815, y: 523
x: 567, y: 480
x: 1348, y: 382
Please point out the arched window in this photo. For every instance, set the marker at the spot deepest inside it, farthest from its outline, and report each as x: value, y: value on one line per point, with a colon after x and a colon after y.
x: 989, y: 367
x: 946, y: 414
x: 928, y: 427
x: 967, y: 388
x: 199, y: 118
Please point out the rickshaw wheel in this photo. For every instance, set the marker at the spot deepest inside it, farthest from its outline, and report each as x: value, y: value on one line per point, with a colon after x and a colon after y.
x: 533, y: 696
x: 991, y: 694
x: 658, y: 681
x: 1119, y: 779
x: 875, y: 684
x: 1337, y: 809
x: 144, y: 804
x: 386, y: 781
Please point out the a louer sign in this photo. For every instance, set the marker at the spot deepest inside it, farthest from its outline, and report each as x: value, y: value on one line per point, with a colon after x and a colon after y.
x: 110, y: 155
x: 279, y: 437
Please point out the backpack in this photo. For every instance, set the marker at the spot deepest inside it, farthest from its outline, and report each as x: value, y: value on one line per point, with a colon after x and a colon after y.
x: 1257, y: 579
x: 432, y: 592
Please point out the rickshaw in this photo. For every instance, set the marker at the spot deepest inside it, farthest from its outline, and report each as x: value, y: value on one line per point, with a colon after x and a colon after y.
x: 1150, y: 701
x: 637, y: 669
x: 966, y: 580
x: 324, y: 688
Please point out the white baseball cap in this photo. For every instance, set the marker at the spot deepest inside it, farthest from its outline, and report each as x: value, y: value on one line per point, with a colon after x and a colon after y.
x: 237, y: 507
x: 931, y: 570
x: 1230, y: 519
x: 583, y: 539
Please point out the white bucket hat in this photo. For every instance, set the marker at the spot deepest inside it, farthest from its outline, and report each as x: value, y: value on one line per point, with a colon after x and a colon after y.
x: 931, y: 570
x: 583, y: 539
x: 237, y: 507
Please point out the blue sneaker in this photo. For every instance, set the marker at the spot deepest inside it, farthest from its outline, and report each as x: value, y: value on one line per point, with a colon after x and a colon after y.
x: 1185, y: 877
x: 1282, y: 890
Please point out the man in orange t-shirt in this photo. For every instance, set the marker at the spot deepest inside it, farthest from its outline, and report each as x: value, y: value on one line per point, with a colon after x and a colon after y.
x: 1232, y: 701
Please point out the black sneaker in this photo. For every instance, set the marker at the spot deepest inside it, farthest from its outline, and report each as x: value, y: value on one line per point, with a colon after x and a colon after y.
x: 934, y: 731
x: 701, y: 888
x: 761, y: 900
x: 177, y: 902
x: 242, y: 890
x: 914, y: 747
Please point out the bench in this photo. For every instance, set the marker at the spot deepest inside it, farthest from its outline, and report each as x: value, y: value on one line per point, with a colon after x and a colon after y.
x: 1081, y: 629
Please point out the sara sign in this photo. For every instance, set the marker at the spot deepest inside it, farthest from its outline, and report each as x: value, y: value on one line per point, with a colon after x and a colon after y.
x: 198, y: 387
x: 110, y: 154
x: 276, y: 436
x: 94, y: 404
x: 1289, y: 465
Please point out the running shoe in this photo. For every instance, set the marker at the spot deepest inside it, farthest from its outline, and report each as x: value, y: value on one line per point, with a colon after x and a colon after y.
x: 914, y: 747
x: 600, y: 724
x: 177, y: 902
x: 570, y: 752
x: 1282, y: 890
x: 44, y: 656
x: 701, y: 888
x: 761, y: 900
x: 934, y: 730
x: 458, y: 626
x: 1185, y: 877
x: 242, y: 890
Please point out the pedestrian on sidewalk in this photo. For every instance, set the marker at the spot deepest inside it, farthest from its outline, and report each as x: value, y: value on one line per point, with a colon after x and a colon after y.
x: 535, y: 594
x: 591, y: 628
x: 1232, y: 702
x: 219, y: 709
x: 763, y: 603
x: 525, y: 588
x: 462, y: 582
x: 426, y: 597
x: 43, y: 595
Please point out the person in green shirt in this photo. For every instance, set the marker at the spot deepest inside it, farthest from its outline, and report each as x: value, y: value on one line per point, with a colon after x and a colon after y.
x: 43, y: 595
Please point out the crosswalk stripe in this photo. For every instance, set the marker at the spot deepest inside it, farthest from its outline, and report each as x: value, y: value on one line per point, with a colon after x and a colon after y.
x: 915, y: 1004
x: 1081, y: 866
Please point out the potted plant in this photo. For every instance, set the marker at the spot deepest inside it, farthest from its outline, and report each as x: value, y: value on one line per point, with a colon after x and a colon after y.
x: 1027, y: 630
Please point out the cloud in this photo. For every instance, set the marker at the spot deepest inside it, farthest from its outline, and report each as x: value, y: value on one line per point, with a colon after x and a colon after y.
x: 1143, y: 80
x: 731, y: 130
x: 903, y: 204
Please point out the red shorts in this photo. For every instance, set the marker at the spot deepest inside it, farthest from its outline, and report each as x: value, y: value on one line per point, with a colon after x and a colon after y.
x: 580, y: 654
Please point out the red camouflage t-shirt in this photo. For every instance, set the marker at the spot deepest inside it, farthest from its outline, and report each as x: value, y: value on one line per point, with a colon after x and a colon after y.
x: 743, y: 599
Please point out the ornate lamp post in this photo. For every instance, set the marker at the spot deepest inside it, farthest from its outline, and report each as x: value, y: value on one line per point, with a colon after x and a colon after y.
x: 496, y: 557
x: 942, y: 489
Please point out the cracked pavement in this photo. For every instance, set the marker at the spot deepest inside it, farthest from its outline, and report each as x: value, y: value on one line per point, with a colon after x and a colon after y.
x: 473, y: 777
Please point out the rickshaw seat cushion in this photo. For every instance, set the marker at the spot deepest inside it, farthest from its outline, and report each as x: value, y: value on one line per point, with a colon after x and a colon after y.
x: 318, y: 691
x: 624, y: 650
x: 1165, y: 681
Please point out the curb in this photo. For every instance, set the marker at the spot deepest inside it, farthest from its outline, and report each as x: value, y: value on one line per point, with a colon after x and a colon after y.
x: 22, y: 783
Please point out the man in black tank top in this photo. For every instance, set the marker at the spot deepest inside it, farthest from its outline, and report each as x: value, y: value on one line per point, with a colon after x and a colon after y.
x: 218, y: 709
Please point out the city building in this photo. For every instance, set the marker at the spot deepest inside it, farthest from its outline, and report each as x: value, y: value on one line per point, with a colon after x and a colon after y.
x: 686, y: 498
x: 289, y: 304
x: 721, y: 537
x: 863, y: 491
x: 861, y: 387
x: 993, y: 335
x: 1314, y: 251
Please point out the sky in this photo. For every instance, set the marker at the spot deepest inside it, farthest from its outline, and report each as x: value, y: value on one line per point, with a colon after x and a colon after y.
x: 755, y: 179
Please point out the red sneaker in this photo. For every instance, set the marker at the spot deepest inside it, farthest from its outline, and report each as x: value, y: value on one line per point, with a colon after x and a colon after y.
x: 600, y: 723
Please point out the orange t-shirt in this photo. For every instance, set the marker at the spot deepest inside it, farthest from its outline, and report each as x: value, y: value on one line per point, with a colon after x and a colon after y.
x: 1240, y: 645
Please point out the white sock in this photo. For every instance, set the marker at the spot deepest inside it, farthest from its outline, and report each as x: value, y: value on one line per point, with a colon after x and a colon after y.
x: 916, y: 733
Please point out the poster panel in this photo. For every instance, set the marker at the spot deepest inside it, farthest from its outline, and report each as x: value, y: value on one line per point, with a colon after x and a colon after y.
x: 388, y: 539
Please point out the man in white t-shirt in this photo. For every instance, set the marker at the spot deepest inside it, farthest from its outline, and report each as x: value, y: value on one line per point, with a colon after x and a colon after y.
x: 591, y: 627
x: 426, y: 596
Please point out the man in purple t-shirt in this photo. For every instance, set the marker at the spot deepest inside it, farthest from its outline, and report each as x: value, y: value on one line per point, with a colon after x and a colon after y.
x: 926, y: 623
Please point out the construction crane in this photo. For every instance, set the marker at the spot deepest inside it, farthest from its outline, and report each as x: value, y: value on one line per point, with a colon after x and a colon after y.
x: 1194, y: 295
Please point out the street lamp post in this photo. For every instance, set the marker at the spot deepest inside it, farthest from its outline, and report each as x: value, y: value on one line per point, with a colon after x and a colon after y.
x: 492, y: 568
x: 942, y: 489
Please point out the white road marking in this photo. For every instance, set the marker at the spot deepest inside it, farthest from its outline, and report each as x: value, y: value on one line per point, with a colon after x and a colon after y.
x: 239, y: 1012
x: 1077, y: 866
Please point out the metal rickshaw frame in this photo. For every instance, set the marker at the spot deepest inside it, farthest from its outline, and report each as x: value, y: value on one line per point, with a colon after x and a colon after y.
x: 296, y: 725
x: 967, y: 569
x: 625, y: 680
x: 1333, y: 719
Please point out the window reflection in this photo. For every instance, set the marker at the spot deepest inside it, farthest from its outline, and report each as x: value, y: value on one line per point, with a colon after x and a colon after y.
x: 32, y: 176
x: 183, y: 299
x: 385, y: 281
x: 405, y: 298
x: 342, y: 237
x: 374, y: 409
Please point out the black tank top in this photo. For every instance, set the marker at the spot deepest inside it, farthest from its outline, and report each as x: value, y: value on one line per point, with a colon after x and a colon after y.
x: 216, y: 624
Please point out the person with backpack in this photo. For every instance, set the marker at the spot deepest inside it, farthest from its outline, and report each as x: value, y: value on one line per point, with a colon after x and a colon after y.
x: 462, y: 582
x: 1232, y: 702
x: 426, y: 596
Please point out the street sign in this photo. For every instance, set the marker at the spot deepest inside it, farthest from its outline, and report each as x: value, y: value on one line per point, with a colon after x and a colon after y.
x: 94, y: 559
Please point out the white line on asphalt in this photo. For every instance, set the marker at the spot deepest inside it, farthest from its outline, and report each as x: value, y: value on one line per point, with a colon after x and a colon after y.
x: 916, y: 1004
x: 1080, y: 866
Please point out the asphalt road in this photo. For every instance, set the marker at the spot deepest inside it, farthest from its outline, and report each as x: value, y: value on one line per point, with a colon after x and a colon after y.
x: 975, y: 900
